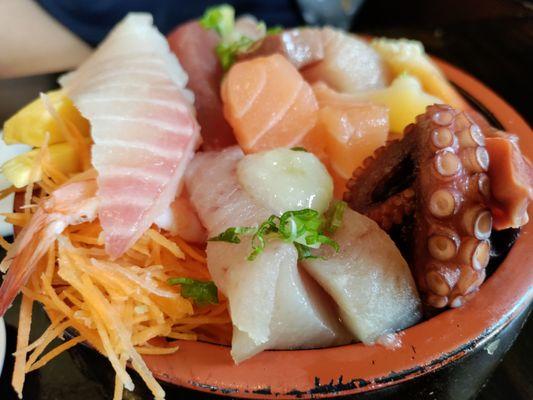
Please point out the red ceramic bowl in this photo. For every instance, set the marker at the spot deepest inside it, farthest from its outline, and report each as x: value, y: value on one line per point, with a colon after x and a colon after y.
x: 430, y: 349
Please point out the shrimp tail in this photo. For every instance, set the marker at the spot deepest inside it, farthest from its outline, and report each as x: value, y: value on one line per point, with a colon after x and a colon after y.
x: 71, y: 204
x: 22, y: 258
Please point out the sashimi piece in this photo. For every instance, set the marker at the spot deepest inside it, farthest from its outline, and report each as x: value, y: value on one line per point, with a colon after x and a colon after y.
x: 264, y: 312
x: 301, y: 46
x: 195, y: 48
x: 247, y: 25
x: 181, y: 219
x: 286, y: 180
x: 368, y: 279
x: 350, y: 65
x: 215, y: 193
x: 351, y: 130
x: 268, y: 103
x: 404, y: 98
x: 273, y: 305
x: 132, y: 91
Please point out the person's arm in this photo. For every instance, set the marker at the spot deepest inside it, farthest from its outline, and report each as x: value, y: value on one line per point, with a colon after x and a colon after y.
x: 32, y: 42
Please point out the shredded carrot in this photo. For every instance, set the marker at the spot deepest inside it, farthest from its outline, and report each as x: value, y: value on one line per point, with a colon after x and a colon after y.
x: 171, y: 246
x: 182, y: 335
x: 157, y: 350
x: 47, y: 338
x: 6, y: 192
x: 4, y: 243
x: 23, y: 338
x: 120, y: 307
x: 119, y: 388
x: 191, y: 252
x: 50, y: 330
x: 55, y: 352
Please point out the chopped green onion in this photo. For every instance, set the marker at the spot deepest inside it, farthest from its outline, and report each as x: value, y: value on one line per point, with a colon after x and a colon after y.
x: 334, y: 216
x: 227, y: 51
x: 274, y: 30
x: 231, y: 235
x: 202, y: 292
x: 303, y: 228
x: 221, y: 19
x: 297, y: 148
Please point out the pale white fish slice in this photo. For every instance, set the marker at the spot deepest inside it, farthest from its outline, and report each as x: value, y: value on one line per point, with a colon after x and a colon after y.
x: 302, y: 316
x: 269, y: 300
x: 368, y: 279
x: 134, y: 35
x: 132, y: 91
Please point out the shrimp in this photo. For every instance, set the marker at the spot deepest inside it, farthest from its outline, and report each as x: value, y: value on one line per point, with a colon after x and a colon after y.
x: 73, y: 203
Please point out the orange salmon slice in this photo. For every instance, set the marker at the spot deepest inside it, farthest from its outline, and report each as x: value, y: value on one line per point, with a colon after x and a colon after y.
x: 268, y: 103
x: 352, y: 130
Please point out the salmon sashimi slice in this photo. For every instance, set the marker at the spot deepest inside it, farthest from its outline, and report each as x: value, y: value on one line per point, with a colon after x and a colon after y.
x: 302, y: 46
x: 132, y: 91
x: 272, y: 304
x: 195, y: 48
x: 268, y: 103
x: 349, y: 65
x: 351, y: 131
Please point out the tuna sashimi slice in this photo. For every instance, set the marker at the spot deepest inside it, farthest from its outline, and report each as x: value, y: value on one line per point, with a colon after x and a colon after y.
x: 272, y: 304
x: 132, y: 91
x: 195, y: 48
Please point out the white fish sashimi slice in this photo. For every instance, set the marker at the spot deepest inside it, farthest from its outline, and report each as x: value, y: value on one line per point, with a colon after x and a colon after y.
x: 368, y: 279
x: 249, y: 285
x: 181, y: 219
x: 271, y: 304
x: 132, y: 91
x: 302, y: 317
x: 349, y: 64
x: 134, y: 36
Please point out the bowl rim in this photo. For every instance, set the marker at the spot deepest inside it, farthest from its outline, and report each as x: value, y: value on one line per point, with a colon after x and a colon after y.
x: 356, y: 368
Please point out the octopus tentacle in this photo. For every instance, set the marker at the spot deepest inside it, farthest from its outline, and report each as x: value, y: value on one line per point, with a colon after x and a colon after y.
x: 373, y: 182
x: 452, y: 217
x: 393, y: 210
x: 439, y: 172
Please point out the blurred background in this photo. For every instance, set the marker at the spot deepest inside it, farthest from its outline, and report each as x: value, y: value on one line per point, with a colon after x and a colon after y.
x: 490, y: 39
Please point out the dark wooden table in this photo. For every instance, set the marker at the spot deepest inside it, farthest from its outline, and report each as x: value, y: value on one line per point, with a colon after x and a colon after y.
x: 491, y: 39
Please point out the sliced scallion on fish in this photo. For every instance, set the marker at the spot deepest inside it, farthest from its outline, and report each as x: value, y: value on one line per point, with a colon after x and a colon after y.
x: 221, y: 19
x: 299, y: 148
x: 231, y: 235
x: 305, y: 228
x: 334, y: 216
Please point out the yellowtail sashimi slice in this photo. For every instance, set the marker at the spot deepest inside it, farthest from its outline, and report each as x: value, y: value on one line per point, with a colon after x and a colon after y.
x: 132, y: 91
x: 368, y: 279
